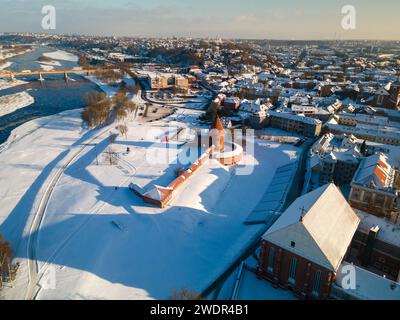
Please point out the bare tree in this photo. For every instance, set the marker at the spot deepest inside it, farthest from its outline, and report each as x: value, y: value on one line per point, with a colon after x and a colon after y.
x: 185, y: 294
x: 112, y: 137
x: 5, y: 259
x: 110, y: 156
x: 97, y: 111
x: 123, y: 130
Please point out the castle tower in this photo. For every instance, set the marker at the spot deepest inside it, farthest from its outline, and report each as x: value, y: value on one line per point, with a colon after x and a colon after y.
x: 217, y: 134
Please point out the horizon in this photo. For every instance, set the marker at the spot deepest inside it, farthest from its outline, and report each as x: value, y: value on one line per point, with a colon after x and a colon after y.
x: 254, y: 20
x: 195, y: 38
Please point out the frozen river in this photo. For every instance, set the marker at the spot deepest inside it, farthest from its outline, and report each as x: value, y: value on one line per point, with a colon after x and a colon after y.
x: 52, y: 96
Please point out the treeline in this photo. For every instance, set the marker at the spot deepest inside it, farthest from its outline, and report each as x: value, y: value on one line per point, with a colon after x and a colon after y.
x: 101, y: 109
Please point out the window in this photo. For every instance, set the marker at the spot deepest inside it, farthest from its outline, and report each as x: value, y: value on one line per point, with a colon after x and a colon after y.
x: 292, y: 244
x: 292, y: 270
x: 271, y: 259
x: 316, y: 283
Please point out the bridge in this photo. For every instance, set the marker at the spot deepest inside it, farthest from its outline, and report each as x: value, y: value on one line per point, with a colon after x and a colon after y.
x: 40, y: 73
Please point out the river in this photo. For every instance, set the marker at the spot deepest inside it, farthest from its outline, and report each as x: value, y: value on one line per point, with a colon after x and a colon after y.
x: 51, y: 96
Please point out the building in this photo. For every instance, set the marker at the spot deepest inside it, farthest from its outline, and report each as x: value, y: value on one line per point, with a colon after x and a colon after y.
x: 370, y: 286
x: 181, y: 82
x: 375, y: 186
x: 339, y: 166
x: 308, y: 127
x: 375, y: 135
x: 305, y: 247
x: 158, y: 80
x: 376, y: 245
x: 231, y: 103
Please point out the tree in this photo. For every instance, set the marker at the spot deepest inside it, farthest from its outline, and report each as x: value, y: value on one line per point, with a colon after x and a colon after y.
x: 83, y: 62
x: 122, y: 105
x: 97, y: 110
x: 112, y: 137
x: 109, y: 76
x: 185, y: 294
x: 5, y: 258
x: 123, y: 130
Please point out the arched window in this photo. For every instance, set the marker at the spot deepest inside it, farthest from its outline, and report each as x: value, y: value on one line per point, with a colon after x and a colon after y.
x: 271, y: 259
x: 292, y: 270
x: 316, y: 283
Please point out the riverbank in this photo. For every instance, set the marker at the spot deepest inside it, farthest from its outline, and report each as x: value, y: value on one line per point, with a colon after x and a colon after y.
x: 5, y: 65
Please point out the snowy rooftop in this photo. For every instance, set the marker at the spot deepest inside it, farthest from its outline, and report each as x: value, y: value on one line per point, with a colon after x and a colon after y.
x: 320, y: 223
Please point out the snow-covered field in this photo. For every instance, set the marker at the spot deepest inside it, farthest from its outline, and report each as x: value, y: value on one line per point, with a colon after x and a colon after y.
x: 98, y: 238
x: 12, y: 102
x: 61, y: 55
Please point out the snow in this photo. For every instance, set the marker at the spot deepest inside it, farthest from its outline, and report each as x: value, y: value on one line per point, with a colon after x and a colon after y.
x: 12, y: 102
x: 61, y: 55
x: 46, y: 67
x: 252, y: 288
x: 185, y: 245
x: 369, y: 286
x: 49, y: 65
x: 6, y: 84
x: 5, y: 65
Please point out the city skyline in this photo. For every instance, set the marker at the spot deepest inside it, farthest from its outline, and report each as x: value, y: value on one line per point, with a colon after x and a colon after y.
x: 255, y: 19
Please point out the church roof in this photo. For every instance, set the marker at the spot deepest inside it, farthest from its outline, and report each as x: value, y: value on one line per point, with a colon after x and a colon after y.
x: 318, y: 226
x: 374, y: 170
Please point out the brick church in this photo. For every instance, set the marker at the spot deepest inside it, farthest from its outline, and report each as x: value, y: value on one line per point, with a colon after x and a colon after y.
x: 305, y: 247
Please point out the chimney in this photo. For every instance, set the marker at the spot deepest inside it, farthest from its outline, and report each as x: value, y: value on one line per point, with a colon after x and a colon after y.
x: 366, y: 256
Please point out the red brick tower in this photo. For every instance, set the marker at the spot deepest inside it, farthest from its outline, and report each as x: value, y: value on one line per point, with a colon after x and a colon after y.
x: 217, y: 134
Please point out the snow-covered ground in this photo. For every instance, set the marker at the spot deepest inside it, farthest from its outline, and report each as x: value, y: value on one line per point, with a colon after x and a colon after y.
x: 61, y: 55
x: 98, y: 238
x: 5, y: 54
x: 49, y: 65
x: 12, y: 102
x: 5, y: 65
x: 252, y: 288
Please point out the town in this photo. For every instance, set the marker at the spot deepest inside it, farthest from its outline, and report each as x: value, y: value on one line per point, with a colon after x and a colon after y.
x: 199, y: 169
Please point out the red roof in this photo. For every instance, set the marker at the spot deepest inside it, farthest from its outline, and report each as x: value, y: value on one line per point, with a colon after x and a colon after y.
x: 217, y: 124
x: 380, y: 174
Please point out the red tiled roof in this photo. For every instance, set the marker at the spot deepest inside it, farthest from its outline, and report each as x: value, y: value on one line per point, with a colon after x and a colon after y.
x: 381, y: 175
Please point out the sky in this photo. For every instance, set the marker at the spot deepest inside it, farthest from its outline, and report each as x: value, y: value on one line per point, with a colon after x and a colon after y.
x: 261, y: 19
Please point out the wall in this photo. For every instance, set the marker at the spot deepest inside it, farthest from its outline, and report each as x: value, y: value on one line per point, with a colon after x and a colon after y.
x: 304, y: 275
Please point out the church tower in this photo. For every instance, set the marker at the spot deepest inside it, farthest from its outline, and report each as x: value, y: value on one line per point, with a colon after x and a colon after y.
x: 217, y: 134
